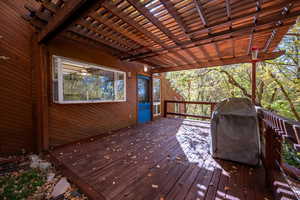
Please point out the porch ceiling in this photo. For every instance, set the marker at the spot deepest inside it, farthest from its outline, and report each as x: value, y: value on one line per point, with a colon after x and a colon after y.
x: 171, y: 34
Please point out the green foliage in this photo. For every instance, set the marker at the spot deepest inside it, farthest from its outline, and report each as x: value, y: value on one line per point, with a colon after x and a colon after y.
x: 278, y: 81
x: 20, y: 185
x: 290, y: 156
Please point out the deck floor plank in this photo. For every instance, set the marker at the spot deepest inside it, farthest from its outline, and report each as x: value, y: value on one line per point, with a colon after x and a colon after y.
x: 167, y: 159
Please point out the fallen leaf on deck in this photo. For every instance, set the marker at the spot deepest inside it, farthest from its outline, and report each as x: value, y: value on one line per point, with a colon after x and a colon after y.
x: 154, y: 186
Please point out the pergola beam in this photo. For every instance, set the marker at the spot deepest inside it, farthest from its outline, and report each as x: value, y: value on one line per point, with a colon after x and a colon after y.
x: 106, y: 34
x: 274, y: 32
x: 173, y: 12
x: 201, y: 12
x: 97, y: 38
x: 240, y: 18
x: 147, y: 14
x: 210, y: 38
x: 227, y: 61
x: 109, y: 23
x: 65, y: 16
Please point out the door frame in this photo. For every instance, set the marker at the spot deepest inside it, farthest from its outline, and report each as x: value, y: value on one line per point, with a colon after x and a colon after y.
x: 150, y: 95
x: 160, y: 96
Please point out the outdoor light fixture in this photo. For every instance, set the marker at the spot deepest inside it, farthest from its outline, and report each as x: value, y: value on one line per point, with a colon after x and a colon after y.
x: 146, y: 68
x: 254, y: 54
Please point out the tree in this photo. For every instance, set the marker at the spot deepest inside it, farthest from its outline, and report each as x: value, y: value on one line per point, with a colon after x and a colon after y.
x: 278, y: 81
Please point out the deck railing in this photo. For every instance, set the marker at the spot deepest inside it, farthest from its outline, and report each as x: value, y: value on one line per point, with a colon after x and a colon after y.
x: 185, y: 103
x: 276, y: 130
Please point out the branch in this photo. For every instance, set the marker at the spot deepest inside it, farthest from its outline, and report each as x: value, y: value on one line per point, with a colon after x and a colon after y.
x: 292, y: 106
x: 272, y: 98
x: 233, y: 82
x: 260, y: 92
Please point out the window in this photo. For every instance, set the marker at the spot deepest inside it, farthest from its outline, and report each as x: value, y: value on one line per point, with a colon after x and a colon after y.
x: 78, y: 82
x: 143, y: 90
x: 156, y: 97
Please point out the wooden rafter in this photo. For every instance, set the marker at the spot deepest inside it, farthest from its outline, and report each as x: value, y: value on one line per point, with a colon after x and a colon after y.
x: 146, y: 13
x: 228, y: 33
x: 172, y: 11
x: 228, y: 13
x: 49, y: 6
x: 250, y: 42
x: 201, y: 13
x: 109, y: 23
x: 228, y: 9
x: 204, y: 21
x: 85, y: 33
x: 118, y: 12
x: 65, y: 16
x: 258, y: 8
x: 186, y: 33
x: 284, y: 12
x: 227, y: 61
x: 102, y: 32
x: 239, y: 18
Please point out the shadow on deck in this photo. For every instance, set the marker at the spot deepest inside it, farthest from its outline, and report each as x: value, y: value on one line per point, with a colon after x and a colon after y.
x: 167, y: 159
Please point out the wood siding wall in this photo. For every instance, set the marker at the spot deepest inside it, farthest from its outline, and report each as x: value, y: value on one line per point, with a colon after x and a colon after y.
x: 72, y: 122
x: 18, y: 88
x: 169, y: 93
x: 16, y: 123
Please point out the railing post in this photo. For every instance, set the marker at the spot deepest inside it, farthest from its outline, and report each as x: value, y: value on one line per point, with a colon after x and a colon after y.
x: 165, y: 108
x: 212, y: 107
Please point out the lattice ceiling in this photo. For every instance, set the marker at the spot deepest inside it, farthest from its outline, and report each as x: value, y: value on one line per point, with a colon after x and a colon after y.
x: 178, y: 34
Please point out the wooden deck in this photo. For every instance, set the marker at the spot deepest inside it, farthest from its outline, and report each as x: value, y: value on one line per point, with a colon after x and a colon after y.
x: 167, y: 159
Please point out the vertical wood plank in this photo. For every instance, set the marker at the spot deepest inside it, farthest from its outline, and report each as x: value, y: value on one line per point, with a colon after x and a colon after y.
x: 40, y: 113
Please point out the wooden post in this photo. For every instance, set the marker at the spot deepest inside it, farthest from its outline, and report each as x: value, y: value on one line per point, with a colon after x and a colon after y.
x: 40, y: 114
x: 253, y: 95
x: 165, y: 108
x: 212, y: 107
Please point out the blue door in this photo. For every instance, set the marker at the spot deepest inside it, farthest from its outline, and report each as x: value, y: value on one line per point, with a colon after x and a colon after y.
x: 144, y: 109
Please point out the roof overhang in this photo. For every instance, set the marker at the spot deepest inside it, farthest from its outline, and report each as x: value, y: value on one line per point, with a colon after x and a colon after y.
x: 171, y: 35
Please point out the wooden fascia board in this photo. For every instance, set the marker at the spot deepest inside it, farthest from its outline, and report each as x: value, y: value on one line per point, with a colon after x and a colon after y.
x: 227, y: 61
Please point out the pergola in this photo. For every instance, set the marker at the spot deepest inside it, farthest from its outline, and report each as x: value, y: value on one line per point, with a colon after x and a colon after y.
x: 164, y: 35
x: 171, y: 35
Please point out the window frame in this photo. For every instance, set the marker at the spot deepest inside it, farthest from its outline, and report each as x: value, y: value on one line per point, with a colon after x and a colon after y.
x: 57, y: 62
x: 157, y: 103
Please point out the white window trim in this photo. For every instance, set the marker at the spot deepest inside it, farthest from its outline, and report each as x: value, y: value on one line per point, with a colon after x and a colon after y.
x: 158, y: 103
x: 61, y: 60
